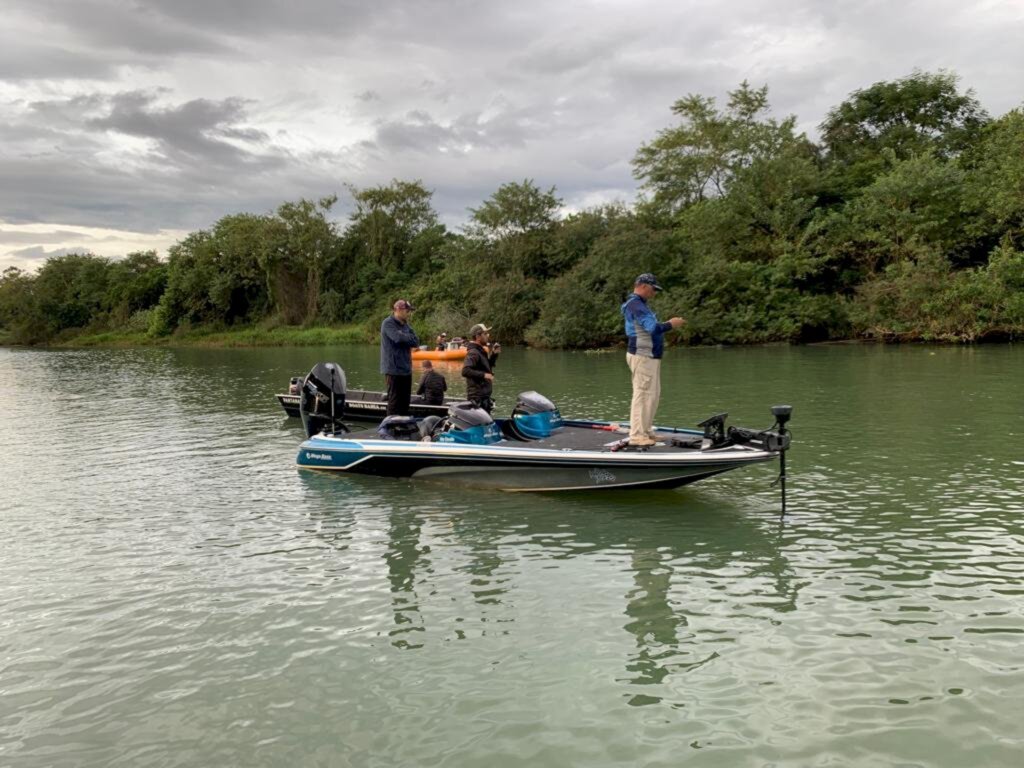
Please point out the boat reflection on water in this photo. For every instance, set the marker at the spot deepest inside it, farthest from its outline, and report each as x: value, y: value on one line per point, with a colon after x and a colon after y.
x: 678, y: 572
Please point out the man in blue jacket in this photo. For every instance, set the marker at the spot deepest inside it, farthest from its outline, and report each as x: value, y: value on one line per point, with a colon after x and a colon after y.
x: 646, y: 343
x: 397, y: 341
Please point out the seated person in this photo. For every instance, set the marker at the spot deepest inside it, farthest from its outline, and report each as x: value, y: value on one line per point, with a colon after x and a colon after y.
x: 442, y: 342
x: 432, y: 385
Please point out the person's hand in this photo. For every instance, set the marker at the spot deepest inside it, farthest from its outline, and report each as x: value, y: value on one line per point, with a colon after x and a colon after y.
x: 489, y: 376
x: 677, y: 323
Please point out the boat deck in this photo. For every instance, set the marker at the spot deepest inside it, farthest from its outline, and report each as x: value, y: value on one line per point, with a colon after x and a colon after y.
x: 574, y: 437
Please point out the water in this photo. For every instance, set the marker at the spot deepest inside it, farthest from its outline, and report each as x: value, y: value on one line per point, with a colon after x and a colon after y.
x: 173, y: 592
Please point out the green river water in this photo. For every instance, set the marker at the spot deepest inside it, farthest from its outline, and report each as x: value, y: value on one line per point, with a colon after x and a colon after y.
x: 174, y: 592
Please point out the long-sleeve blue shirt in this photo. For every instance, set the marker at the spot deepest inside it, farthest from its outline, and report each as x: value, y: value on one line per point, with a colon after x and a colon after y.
x: 397, y: 341
x: 645, y: 335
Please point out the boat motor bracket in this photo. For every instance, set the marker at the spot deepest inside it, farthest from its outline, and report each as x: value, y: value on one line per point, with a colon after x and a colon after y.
x: 766, y: 439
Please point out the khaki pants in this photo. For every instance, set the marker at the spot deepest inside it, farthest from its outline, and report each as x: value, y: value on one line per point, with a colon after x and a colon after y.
x: 646, y: 394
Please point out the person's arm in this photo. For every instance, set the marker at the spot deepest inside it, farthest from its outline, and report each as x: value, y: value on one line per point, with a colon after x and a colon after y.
x: 423, y: 386
x: 469, y: 370
x: 643, y: 317
x: 444, y: 384
x: 400, y: 335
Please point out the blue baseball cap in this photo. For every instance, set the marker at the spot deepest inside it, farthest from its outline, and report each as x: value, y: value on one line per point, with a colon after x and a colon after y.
x: 648, y: 279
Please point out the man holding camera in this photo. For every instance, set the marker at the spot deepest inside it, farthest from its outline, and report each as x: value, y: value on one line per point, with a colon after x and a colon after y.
x: 479, y: 366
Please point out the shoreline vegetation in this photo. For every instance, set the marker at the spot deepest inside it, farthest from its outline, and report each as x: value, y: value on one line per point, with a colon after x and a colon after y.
x: 322, y: 336
x: 219, y: 337
x: 904, y: 222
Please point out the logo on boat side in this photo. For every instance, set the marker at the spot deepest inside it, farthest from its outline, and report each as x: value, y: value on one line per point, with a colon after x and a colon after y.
x: 601, y: 476
x: 318, y: 456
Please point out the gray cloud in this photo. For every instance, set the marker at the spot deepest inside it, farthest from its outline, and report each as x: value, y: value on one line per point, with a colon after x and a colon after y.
x: 29, y: 59
x: 38, y: 253
x: 142, y: 28
x: 195, y: 130
x: 419, y: 131
x: 52, y: 236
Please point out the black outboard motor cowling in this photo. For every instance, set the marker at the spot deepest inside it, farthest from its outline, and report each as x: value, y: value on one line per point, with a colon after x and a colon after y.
x: 322, y: 399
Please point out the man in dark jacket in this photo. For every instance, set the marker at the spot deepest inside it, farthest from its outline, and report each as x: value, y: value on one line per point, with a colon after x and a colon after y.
x: 432, y: 385
x: 479, y: 365
x: 397, y: 341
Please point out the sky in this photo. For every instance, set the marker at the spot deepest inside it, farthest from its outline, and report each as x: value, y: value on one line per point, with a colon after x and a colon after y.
x: 126, y: 124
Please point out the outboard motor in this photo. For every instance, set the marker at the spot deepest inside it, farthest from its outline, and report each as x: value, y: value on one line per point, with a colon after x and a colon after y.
x: 534, y: 417
x: 468, y: 424
x: 322, y: 400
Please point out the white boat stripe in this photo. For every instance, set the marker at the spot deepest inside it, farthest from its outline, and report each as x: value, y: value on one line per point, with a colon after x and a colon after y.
x: 441, y: 450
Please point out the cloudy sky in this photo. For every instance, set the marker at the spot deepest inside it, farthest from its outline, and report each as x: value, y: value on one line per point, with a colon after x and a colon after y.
x: 125, y: 124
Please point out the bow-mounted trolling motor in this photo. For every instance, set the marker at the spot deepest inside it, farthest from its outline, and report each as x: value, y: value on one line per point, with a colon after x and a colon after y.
x: 776, y: 439
x: 782, y: 414
x: 534, y: 417
x: 468, y: 424
x: 322, y: 400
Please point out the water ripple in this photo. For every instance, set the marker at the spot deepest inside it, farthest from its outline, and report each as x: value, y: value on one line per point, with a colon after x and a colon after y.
x: 174, y: 592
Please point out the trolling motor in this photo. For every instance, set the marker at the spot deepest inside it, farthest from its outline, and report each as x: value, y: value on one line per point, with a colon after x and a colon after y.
x: 782, y: 414
x: 322, y: 400
x: 776, y: 438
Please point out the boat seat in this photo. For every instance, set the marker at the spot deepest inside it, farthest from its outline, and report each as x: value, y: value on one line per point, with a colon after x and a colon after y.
x: 429, y: 425
x: 398, y: 428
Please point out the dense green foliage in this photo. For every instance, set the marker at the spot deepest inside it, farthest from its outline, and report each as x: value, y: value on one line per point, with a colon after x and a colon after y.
x: 905, y: 222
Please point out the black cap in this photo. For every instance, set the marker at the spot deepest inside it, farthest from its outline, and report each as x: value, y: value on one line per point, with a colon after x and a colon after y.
x: 648, y: 279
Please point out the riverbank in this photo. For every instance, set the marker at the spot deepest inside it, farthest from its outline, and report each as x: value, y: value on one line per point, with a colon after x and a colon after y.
x: 297, y: 336
x: 281, y: 336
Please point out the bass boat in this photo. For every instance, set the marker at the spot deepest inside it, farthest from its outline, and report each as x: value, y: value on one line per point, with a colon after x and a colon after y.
x: 535, y: 449
x: 362, y: 404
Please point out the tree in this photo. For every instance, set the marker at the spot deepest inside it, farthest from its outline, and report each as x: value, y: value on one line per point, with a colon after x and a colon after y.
x: 136, y: 283
x: 581, y: 307
x: 517, y: 208
x: 916, y: 206
x: 515, y: 229
x: 995, y: 180
x: 699, y: 158
x: 389, y: 218
x: 921, y: 113
x: 20, y: 314
x: 299, y: 243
